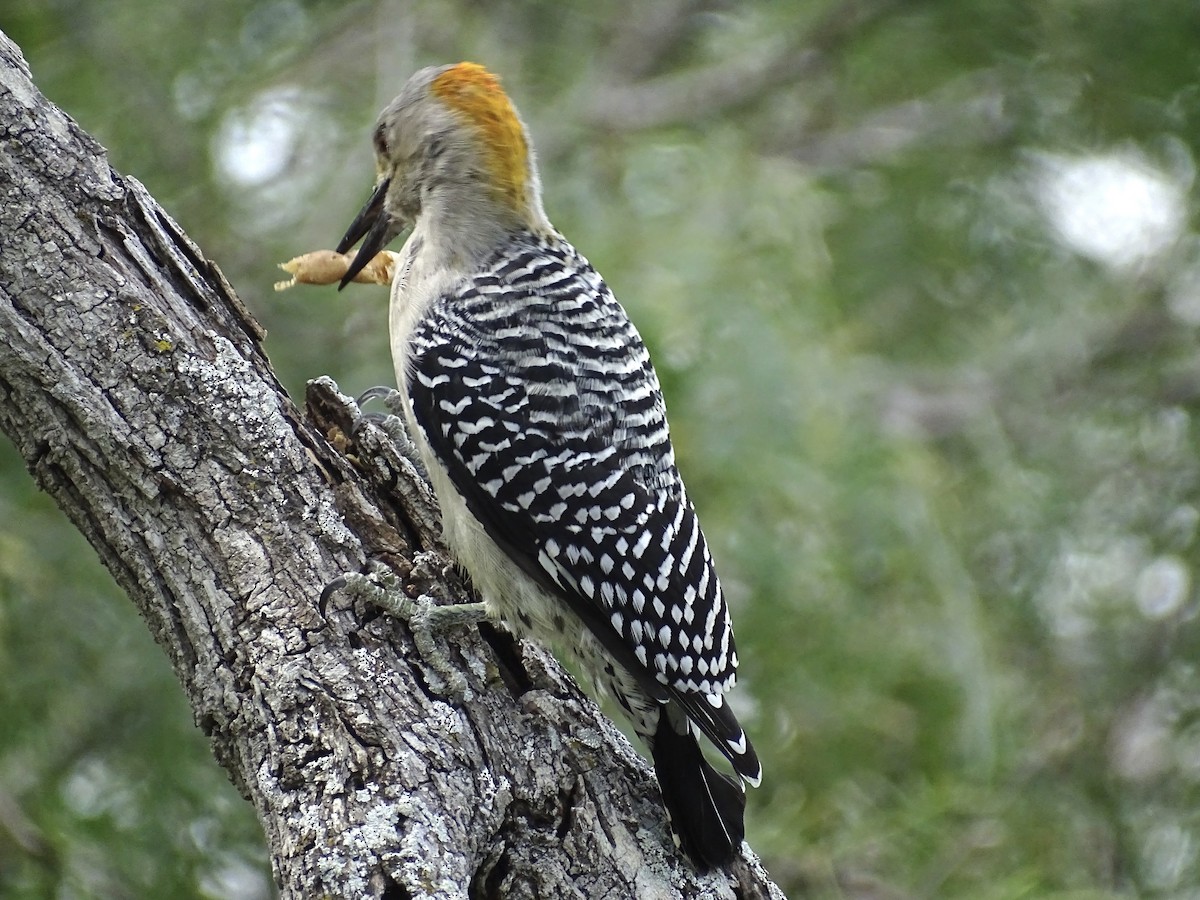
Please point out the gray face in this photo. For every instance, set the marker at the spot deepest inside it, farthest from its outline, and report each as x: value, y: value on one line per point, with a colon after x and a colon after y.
x: 451, y: 151
x: 407, y: 147
x: 421, y: 145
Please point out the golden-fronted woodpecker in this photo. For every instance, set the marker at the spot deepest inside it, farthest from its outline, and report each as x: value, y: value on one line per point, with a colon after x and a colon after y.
x: 539, y: 418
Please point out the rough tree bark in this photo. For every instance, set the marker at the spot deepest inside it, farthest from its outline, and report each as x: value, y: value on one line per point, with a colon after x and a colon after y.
x: 133, y: 383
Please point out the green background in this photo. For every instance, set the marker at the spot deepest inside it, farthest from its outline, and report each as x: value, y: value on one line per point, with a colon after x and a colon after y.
x: 921, y: 286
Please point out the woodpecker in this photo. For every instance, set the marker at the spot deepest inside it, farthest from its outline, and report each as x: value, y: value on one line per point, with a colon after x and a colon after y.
x: 539, y: 418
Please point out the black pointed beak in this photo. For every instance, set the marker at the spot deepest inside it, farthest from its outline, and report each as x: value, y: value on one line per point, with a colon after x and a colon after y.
x: 374, y: 227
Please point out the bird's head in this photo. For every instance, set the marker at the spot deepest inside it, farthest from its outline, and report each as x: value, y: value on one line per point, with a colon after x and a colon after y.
x: 451, y: 145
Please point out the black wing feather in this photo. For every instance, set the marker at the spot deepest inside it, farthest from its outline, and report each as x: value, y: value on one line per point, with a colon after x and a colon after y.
x: 548, y: 418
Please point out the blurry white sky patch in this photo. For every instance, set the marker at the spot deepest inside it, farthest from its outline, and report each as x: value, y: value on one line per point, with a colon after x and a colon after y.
x: 1115, y: 208
x: 263, y: 150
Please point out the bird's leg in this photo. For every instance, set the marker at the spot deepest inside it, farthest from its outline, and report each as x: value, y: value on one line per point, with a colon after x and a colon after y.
x: 426, y: 615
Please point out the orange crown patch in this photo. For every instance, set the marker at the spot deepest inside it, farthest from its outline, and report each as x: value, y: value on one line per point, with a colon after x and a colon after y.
x: 475, y: 93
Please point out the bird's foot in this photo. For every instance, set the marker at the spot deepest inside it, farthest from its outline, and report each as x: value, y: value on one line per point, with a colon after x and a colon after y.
x: 425, y: 615
x: 392, y: 422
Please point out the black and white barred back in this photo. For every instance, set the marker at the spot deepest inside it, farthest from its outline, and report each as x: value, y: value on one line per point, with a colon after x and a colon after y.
x: 536, y: 393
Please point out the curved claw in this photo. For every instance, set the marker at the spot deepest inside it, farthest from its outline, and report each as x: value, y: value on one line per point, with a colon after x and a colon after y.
x: 338, y: 584
x: 379, y: 392
x: 372, y: 418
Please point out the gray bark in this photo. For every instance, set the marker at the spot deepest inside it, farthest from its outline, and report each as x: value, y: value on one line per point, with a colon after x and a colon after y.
x: 133, y: 383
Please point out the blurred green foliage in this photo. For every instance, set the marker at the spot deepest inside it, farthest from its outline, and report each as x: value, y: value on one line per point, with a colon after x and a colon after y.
x: 922, y: 290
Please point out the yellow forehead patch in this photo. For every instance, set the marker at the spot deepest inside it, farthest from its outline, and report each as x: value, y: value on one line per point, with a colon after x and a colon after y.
x: 475, y: 93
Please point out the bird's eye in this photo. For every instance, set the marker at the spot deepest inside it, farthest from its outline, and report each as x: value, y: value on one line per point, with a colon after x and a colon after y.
x: 381, y: 144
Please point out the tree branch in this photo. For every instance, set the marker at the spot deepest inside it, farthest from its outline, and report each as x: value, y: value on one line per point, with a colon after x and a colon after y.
x: 133, y: 383
x: 618, y: 105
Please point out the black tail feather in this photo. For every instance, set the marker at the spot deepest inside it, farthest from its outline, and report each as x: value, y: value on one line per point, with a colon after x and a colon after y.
x: 720, y: 725
x: 705, y: 807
